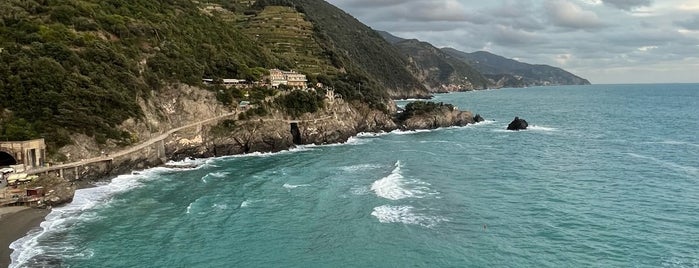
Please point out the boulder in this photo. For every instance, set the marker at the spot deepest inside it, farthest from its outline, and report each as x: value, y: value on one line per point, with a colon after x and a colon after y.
x: 478, y: 118
x: 517, y: 124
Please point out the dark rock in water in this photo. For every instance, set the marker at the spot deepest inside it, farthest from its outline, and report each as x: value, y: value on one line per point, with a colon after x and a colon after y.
x: 478, y: 118
x: 517, y: 124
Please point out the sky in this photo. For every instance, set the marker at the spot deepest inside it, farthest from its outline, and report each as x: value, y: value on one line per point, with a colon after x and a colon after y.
x: 605, y: 41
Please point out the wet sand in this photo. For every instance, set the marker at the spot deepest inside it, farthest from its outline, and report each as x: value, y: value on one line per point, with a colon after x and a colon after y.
x: 15, y: 223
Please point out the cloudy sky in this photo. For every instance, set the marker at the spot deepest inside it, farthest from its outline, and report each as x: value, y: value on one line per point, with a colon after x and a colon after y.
x: 605, y: 41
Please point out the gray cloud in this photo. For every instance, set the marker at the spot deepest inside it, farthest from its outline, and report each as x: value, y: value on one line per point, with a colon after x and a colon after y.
x: 566, y: 14
x: 602, y: 42
x: 690, y: 24
x: 627, y: 4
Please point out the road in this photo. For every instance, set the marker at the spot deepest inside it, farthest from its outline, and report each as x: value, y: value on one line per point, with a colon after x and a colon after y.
x: 153, y: 140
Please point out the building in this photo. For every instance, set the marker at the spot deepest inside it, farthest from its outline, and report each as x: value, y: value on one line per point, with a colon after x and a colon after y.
x: 30, y: 154
x: 290, y: 78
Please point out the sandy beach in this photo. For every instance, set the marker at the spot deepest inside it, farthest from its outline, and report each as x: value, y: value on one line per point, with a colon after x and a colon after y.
x: 16, y: 222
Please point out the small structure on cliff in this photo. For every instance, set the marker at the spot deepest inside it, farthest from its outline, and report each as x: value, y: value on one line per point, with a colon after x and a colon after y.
x: 30, y: 154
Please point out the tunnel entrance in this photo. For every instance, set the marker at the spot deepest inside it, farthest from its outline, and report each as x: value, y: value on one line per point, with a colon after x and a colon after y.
x: 296, y: 133
x: 7, y: 159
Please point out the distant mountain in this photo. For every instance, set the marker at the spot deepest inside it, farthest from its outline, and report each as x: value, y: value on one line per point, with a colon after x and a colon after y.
x: 437, y: 70
x: 504, y: 72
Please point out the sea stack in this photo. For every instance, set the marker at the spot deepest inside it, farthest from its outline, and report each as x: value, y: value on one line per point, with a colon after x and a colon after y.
x: 517, y: 124
x: 478, y: 118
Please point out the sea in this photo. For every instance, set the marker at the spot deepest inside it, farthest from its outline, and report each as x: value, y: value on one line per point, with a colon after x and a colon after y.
x: 605, y: 176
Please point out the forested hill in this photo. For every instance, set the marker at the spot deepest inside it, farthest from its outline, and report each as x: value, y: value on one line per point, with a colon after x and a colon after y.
x: 439, y: 71
x: 81, y: 66
x: 511, y: 73
x: 360, y: 49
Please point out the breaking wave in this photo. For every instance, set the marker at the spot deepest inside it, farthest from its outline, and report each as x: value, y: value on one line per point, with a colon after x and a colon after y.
x: 405, y: 215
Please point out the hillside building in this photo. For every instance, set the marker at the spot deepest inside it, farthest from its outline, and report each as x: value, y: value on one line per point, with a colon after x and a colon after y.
x: 290, y: 78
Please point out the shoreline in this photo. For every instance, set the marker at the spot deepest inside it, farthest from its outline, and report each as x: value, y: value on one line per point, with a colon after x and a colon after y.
x: 17, y: 222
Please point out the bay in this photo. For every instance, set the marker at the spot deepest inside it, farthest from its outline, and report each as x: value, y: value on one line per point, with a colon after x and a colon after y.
x: 606, y: 176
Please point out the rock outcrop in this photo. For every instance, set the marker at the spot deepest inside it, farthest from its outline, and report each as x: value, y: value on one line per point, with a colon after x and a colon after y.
x: 425, y: 115
x: 517, y: 124
x: 478, y: 118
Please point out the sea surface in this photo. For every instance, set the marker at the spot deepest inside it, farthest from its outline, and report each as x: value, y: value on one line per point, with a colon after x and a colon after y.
x: 606, y: 176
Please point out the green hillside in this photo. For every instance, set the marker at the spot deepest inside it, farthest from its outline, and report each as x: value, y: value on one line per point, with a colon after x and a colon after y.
x: 511, y: 73
x: 80, y: 66
x: 439, y: 70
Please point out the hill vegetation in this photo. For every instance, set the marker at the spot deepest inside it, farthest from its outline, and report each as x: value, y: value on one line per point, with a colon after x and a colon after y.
x: 511, y: 73
x: 81, y: 66
x: 437, y: 70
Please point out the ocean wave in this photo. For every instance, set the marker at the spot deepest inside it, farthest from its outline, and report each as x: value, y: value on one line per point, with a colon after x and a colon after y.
x: 405, y: 215
x: 360, y: 190
x: 541, y: 128
x: 360, y: 167
x: 395, y: 187
x: 292, y: 186
x: 64, y: 217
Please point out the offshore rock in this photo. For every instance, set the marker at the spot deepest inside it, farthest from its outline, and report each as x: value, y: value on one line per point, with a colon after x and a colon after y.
x: 478, y: 118
x: 517, y: 124
x: 445, y: 117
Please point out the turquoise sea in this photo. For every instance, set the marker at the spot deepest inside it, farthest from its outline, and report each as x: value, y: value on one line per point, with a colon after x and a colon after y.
x: 607, y: 176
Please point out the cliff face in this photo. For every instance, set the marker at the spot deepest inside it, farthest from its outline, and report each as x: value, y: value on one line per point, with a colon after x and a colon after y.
x: 444, y: 117
x: 335, y: 124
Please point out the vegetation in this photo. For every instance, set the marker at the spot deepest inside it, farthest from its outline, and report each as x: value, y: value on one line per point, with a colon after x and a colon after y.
x: 419, y: 108
x: 81, y: 66
x: 439, y: 68
x: 298, y: 102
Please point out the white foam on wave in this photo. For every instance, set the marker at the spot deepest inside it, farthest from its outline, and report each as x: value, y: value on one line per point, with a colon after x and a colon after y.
x: 484, y: 122
x: 404, y: 215
x: 410, y: 132
x: 292, y: 186
x: 79, y: 210
x: 395, y: 187
x: 245, y: 203
x: 371, y: 134
x: 360, y: 167
x: 541, y: 128
x: 217, y: 206
x: 219, y: 174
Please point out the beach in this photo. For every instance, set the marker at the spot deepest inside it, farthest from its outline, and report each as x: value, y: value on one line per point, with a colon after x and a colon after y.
x: 16, y: 222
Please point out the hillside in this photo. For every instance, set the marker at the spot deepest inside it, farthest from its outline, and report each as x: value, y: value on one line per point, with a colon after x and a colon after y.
x: 90, y: 67
x: 511, y: 73
x: 438, y: 71
x: 361, y: 51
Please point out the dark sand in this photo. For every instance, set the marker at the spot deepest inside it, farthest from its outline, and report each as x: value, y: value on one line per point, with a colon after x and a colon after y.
x: 15, y: 223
